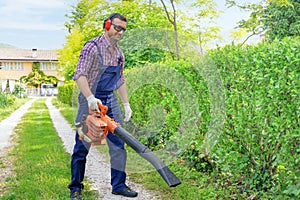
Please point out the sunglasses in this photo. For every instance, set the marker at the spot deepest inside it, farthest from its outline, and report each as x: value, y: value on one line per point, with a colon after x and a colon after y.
x: 119, y: 28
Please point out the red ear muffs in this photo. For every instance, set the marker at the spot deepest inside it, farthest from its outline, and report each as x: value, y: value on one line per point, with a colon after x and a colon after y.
x: 107, y: 24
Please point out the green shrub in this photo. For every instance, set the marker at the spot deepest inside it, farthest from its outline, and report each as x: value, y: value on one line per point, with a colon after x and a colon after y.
x: 6, y: 99
x: 163, y: 97
x: 68, y: 93
x: 257, y: 149
x: 256, y: 153
x: 19, y: 91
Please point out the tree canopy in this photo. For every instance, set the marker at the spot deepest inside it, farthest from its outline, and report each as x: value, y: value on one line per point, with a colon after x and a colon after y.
x: 160, y: 30
x: 37, y: 77
x: 144, y: 17
x: 273, y: 18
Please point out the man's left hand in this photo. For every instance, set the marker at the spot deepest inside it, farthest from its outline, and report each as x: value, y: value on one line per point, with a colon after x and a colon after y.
x: 128, y: 112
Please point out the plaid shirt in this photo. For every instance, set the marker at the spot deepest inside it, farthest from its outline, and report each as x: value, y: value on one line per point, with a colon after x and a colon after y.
x: 89, y: 63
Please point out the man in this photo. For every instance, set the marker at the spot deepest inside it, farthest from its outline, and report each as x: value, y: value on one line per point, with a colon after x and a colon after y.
x: 99, y: 73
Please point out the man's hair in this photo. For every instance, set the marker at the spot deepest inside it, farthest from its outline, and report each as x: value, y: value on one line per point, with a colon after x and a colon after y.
x: 113, y: 16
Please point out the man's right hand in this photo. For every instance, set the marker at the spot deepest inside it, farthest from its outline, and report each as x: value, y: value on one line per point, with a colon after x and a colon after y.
x: 93, y: 103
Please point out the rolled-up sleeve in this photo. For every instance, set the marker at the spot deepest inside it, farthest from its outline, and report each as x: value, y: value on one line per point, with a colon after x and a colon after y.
x: 83, y: 63
x: 86, y: 60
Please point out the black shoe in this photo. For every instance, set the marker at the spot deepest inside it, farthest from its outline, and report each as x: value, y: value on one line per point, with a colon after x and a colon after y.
x: 127, y: 192
x: 76, y: 195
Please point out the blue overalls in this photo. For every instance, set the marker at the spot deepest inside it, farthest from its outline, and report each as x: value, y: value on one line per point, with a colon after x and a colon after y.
x: 107, y: 81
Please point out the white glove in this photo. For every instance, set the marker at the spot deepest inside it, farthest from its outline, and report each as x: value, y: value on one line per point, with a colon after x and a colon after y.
x: 128, y: 112
x: 93, y: 103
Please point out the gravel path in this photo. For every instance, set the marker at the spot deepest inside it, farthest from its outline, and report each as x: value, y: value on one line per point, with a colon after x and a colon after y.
x: 97, y: 170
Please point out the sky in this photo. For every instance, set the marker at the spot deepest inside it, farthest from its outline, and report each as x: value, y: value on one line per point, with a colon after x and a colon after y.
x: 34, y: 23
x: 39, y: 24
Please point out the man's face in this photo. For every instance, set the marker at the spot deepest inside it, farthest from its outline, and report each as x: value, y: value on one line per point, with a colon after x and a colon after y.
x: 116, y: 30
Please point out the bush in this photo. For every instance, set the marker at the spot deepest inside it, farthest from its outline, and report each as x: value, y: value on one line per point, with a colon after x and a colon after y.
x: 256, y: 153
x: 6, y: 99
x: 258, y: 147
x: 19, y: 91
x: 165, y: 104
x: 68, y: 93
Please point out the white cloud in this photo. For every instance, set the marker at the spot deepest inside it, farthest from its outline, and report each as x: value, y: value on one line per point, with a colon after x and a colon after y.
x: 24, y: 4
x: 31, y: 26
x: 32, y: 14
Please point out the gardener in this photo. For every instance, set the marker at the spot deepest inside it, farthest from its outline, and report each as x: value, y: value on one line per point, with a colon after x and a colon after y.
x: 99, y: 73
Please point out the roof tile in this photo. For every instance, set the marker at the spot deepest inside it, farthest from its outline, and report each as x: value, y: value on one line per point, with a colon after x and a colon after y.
x: 27, y: 54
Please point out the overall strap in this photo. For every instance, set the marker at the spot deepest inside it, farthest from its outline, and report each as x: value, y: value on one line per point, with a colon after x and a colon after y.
x: 101, y: 67
x: 120, y: 58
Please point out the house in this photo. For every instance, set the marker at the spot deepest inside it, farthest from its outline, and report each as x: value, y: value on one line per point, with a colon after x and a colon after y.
x: 16, y: 63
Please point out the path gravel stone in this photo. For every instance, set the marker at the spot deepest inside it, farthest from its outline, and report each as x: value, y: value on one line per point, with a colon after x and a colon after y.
x: 97, y: 169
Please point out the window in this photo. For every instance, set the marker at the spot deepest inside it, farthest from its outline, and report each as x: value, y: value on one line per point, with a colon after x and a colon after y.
x: 53, y: 66
x: 19, y: 66
x: 43, y: 66
x: 8, y: 66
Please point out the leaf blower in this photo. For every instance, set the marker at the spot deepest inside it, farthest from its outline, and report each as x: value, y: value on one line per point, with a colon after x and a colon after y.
x: 94, y: 128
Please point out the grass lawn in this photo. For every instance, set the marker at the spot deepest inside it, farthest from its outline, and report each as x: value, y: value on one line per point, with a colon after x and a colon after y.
x: 41, y: 165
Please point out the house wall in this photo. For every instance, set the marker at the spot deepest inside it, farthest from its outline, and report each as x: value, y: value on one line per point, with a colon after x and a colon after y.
x: 13, y: 74
x: 16, y: 74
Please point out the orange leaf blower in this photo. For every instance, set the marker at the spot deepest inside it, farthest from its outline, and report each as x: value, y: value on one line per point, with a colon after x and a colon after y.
x: 94, y: 128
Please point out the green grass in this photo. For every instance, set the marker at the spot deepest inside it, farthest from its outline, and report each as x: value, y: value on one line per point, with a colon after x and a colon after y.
x: 41, y: 164
x: 195, y: 185
x: 5, y: 112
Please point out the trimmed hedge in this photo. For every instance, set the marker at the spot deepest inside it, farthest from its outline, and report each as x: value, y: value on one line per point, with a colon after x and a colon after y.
x: 164, y: 98
x: 68, y: 93
x: 258, y: 151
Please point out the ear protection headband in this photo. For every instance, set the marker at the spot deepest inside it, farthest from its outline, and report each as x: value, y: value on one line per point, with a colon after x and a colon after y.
x: 107, y: 22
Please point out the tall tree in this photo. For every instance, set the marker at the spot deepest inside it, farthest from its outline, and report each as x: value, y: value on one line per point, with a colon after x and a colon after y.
x: 36, y: 77
x: 172, y: 15
x: 274, y: 18
x: 281, y: 21
x: 203, y: 20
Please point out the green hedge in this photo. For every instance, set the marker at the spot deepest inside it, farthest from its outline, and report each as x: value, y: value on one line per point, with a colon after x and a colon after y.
x: 68, y: 93
x: 6, y: 99
x: 257, y: 146
x: 258, y: 151
x: 164, y: 97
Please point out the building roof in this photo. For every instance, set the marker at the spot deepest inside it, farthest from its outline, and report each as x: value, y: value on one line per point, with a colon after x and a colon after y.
x: 27, y: 54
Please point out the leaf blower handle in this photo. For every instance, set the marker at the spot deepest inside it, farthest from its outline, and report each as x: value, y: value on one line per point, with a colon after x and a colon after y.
x: 103, y: 109
x: 111, y: 124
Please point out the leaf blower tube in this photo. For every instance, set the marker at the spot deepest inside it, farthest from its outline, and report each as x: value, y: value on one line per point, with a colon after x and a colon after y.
x: 104, y: 123
x: 145, y: 152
